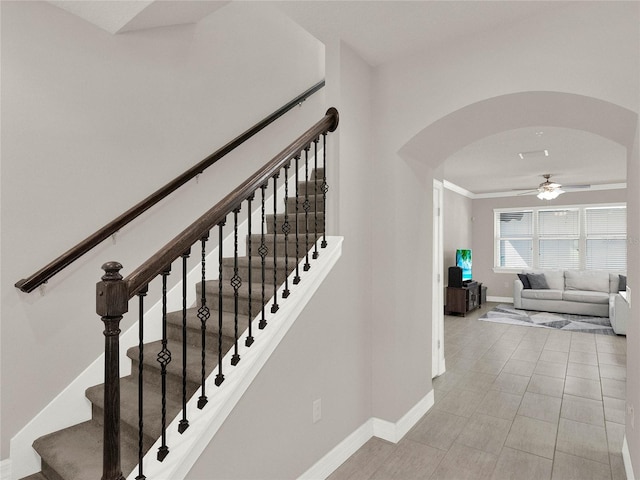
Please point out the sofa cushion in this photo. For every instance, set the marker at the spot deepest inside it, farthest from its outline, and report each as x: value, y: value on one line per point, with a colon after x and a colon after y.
x: 555, y: 278
x: 622, y: 284
x: 546, y: 294
x: 537, y: 281
x: 525, y: 280
x: 588, y: 280
x: 585, y: 296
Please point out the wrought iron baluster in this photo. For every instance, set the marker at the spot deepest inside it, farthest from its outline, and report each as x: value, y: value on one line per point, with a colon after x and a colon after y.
x: 296, y: 279
x: 141, y: 294
x: 286, y: 228
x: 184, y: 423
x: 315, y: 198
x: 164, y: 358
x: 203, y: 316
x: 220, y: 376
x: 236, y: 283
x: 249, y: 341
x: 275, y: 306
x: 324, y: 188
x: 263, y: 253
x: 305, y: 207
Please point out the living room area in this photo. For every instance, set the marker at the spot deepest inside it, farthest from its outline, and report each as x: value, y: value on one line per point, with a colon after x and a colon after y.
x: 535, y: 372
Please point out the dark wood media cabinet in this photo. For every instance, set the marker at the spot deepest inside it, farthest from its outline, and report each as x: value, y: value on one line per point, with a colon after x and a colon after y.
x: 465, y: 299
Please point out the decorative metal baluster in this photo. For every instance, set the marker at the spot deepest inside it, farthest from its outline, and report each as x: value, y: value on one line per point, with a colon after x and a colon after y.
x: 141, y: 294
x: 305, y: 207
x: 203, y: 316
x: 275, y: 306
x: 315, y: 198
x: 263, y: 253
x: 286, y: 228
x: 164, y: 358
x: 324, y: 188
x: 249, y: 341
x: 296, y: 279
x: 184, y: 423
x: 236, y: 283
x: 220, y: 376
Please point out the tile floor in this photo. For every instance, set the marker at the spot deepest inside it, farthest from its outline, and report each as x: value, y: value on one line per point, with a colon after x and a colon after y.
x: 516, y: 403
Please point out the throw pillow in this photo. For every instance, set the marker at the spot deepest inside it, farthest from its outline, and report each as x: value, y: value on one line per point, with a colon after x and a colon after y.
x: 538, y: 281
x: 622, y: 283
x: 525, y: 280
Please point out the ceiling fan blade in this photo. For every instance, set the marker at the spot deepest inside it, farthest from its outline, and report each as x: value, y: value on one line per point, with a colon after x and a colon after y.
x: 528, y: 192
x: 575, y: 187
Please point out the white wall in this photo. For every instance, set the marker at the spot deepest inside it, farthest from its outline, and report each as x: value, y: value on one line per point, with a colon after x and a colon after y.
x: 92, y: 123
x: 327, y: 353
x: 457, y: 222
x: 633, y: 332
x: 550, y: 53
x: 501, y: 284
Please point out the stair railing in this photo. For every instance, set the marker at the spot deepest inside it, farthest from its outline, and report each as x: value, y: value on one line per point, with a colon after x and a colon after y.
x: 40, y: 277
x: 113, y: 292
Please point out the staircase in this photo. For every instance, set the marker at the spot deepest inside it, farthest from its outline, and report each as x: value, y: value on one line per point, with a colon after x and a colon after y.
x: 76, y: 453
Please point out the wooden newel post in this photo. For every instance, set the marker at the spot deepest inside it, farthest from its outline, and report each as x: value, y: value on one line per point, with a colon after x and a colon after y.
x: 112, y: 302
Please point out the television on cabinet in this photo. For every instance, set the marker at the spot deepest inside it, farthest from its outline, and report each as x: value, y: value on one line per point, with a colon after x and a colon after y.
x: 463, y: 260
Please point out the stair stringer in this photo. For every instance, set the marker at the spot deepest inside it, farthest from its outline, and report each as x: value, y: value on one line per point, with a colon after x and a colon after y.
x: 186, y: 448
x: 71, y: 407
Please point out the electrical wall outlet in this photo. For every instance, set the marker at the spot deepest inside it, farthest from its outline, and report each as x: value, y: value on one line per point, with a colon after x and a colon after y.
x: 317, y: 410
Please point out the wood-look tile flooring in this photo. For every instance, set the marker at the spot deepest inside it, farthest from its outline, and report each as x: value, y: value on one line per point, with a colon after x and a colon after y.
x: 515, y: 403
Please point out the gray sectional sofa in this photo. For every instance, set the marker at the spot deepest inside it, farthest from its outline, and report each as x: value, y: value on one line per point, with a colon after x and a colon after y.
x: 584, y: 292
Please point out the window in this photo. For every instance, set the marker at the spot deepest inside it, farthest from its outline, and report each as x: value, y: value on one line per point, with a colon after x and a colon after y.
x: 515, y: 239
x: 591, y: 237
x: 606, y: 234
x: 559, y: 239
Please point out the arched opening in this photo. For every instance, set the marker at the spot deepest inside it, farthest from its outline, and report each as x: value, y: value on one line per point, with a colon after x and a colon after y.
x: 435, y: 143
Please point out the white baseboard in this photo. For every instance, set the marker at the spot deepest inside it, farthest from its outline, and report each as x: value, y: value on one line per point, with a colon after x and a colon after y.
x: 374, y: 427
x: 500, y: 299
x: 340, y: 453
x: 393, y: 432
x: 5, y: 469
x: 626, y: 458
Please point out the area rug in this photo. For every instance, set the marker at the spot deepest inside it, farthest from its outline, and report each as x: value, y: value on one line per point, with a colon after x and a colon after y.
x: 560, y: 321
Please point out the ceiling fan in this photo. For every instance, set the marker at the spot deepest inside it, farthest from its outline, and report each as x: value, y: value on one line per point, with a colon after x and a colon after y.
x: 549, y: 190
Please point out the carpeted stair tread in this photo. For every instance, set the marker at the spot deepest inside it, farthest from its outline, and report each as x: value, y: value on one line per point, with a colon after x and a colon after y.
x: 35, y: 476
x: 280, y: 242
x: 152, y: 408
x: 228, y: 295
x: 319, y: 202
x: 75, y: 453
x: 306, y: 222
x: 194, y: 332
x: 312, y: 186
x: 152, y: 368
x: 228, y: 269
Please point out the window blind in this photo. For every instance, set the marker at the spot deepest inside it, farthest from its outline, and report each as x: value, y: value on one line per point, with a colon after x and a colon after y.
x: 559, y: 239
x: 515, y: 232
x: 606, y: 232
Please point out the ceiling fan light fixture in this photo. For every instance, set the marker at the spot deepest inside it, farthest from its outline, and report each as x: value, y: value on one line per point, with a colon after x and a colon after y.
x: 545, y: 194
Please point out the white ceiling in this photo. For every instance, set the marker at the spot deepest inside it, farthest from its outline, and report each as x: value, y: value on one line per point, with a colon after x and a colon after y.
x: 575, y: 157
x: 382, y: 31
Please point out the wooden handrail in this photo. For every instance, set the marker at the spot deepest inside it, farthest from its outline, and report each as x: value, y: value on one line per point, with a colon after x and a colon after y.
x: 45, y: 273
x: 138, y: 279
